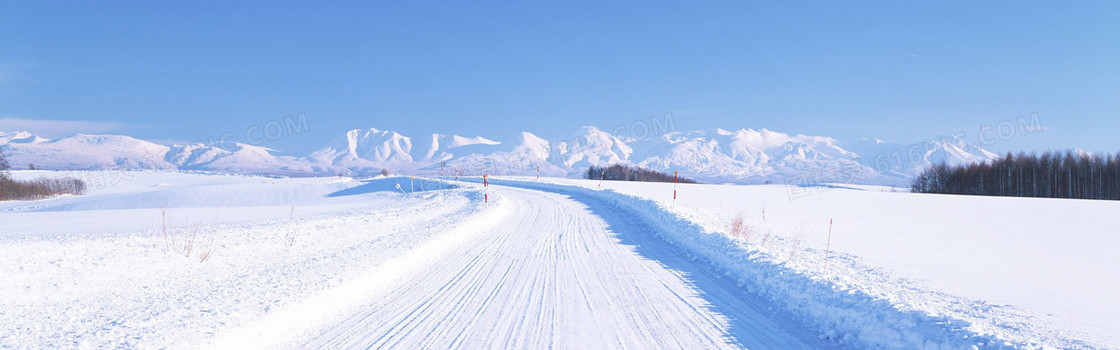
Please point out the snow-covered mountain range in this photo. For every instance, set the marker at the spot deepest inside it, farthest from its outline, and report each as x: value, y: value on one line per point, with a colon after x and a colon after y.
x: 739, y: 156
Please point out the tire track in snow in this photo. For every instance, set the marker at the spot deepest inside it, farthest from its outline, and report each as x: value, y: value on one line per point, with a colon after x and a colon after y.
x: 566, y: 272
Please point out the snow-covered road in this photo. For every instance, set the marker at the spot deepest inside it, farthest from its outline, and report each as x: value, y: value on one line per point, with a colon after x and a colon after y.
x: 566, y: 271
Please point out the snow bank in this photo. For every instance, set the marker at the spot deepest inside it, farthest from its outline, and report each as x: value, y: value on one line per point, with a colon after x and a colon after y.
x: 300, y: 321
x: 142, y: 196
x: 395, y: 184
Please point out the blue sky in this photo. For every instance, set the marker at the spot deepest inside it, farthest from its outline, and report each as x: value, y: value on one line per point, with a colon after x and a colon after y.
x: 899, y: 71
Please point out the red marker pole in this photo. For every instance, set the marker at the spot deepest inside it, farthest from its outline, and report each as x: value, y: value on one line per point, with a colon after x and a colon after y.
x: 602, y: 176
x: 538, y: 172
x: 485, y: 189
x: 675, y: 187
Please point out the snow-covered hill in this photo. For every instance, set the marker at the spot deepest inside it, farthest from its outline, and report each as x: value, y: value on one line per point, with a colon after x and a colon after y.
x: 901, y: 160
x: 716, y: 155
x: 95, y: 152
x: 241, y: 158
x: 85, y: 152
x: 20, y: 137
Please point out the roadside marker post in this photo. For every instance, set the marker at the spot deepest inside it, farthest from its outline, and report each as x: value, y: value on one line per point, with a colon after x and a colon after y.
x: 674, y: 188
x: 828, y: 246
x: 485, y: 189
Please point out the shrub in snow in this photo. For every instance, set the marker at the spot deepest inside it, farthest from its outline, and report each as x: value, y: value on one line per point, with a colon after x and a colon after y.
x: 739, y: 228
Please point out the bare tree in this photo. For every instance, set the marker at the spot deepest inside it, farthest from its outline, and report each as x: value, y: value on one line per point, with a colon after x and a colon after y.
x: 35, y: 189
x: 631, y: 173
x: 1057, y: 175
x: 3, y: 175
x: 4, y: 166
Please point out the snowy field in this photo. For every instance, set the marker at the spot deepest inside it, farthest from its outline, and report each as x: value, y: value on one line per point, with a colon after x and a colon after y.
x: 189, y: 260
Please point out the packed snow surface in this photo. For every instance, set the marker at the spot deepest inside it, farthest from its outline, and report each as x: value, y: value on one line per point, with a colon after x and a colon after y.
x: 567, y: 272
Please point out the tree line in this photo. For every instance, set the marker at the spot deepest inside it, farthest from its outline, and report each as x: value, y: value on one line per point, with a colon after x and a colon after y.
x: 12, y: 189
x: 1050, y: 175
x: 622, y: 172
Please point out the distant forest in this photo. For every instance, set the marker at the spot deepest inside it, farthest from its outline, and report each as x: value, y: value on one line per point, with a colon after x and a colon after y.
x: 1050, y: 175
x: 630, y: 173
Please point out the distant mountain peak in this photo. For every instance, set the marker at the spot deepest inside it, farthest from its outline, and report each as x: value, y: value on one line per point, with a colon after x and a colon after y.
x: 20, y: 137
x: 742, y: 155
